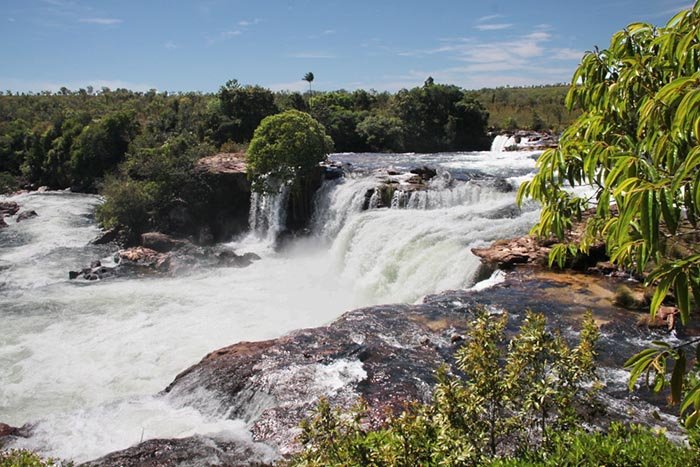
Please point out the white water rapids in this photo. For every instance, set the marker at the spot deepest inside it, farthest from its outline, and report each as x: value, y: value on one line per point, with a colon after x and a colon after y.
x: 84, y: 361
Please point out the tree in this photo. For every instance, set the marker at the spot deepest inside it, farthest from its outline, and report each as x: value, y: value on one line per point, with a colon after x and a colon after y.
x: 284, y: 147
x: 309, y: 77
x: 243, y: 108
x: 637, y: 144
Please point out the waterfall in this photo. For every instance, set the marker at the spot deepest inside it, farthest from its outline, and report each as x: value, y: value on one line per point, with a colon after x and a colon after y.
x: 502, y: 142
x: 268, y: 213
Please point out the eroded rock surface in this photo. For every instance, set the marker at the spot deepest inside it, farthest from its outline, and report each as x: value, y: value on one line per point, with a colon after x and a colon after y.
x: 8, y: 208
x: 195, y: 450
x: 508, y: 253
x: 388, y: 355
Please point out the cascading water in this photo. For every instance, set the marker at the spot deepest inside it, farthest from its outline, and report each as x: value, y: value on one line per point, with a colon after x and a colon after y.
x: 268, y: 214
x: 501, y: 142
x: 83, y: 360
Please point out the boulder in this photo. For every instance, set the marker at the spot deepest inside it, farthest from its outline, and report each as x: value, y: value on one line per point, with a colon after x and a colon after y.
x: 508, y: 253
x: 195, y: 450
x: 8, y: 430
x: 425, y: 172
x: 108, y: 236
x: 22, y: 216
x: 160, y: 242
x: 665, y: 318
x: 8, y: 208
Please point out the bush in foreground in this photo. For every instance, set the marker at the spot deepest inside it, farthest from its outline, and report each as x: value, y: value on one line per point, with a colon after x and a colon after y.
x: 508, y: 400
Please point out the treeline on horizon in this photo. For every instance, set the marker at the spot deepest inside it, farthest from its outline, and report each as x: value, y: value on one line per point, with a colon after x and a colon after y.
x: 139, y: 148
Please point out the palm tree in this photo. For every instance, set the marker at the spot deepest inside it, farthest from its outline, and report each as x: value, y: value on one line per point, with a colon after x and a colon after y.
x: 309, y: 77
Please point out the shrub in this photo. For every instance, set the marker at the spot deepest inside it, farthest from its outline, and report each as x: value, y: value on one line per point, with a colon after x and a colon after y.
x: 8, y: 183
x: 509, y: 399
x: 284, y: 147
x: 622, y: 445
x: 24, y: 458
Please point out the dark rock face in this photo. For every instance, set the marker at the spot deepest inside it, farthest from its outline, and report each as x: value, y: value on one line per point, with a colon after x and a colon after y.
x: 225, y: 212
x: 105, y: 237
x: 22, y: 216
x: 8, y: 432
x: 183, y: 452
x: 387, y: 355
x: 425, y: 173
x: 184, y: 256
x: 160, y: 242
x: 3, y: 224
x: 8, y: 208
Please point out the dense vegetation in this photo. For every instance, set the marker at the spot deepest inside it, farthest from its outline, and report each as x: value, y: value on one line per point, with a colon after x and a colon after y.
x: 534, y: 108
x: 509, y: 403
x: 139, y: 149
x: 637, y: 143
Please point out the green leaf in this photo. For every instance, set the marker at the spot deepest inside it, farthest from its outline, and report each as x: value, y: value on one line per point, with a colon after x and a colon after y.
x: 677, y: 378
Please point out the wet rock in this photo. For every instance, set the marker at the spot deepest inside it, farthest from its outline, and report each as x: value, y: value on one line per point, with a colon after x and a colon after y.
x: 196, y: 450
x: 665, y: 318
x: 8, y: 430
x: 508, y: 253
x: 230, y: 258
x: 332, y: 171
x: 22, y: 216
x: 8, y: 208
x: 3, y: 224
x: 388, y: 355
x: 376, y: 353
x: 425, y: 172
x: 160, y: 242
x: 108, y: 236
x: 502, y: 185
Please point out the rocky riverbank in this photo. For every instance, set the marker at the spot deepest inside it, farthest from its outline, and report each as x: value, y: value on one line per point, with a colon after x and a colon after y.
x: 387, y: 355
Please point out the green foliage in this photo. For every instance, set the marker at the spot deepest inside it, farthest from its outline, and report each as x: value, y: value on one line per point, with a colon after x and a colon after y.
x: 242, y: 110
x: 533, y: 108
x: 24, y: 458
x: 8, y: 183
x: 506, y: 399
x: 439, y: 117
x: 382, y: 132
x: 637, y: 144
x: 284, y: 147
x: 620, y: 446
x: 151, y: 183
x: 100, y: 146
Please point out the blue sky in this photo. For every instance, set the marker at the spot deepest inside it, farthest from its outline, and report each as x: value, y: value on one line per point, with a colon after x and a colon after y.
x: 383, y: 45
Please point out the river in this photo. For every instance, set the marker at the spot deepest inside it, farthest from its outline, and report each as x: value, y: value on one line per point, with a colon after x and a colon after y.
x: 85, y: 361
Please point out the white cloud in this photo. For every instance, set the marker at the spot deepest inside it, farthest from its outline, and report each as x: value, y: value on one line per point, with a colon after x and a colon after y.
x: 483, y: 19
x: 170, y: 45
x: 312, y: 55
x: 493, y: 27
x: 244, y: 23
x: 566, y: 54
x: 101, y: 21
x: 11, y: 20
